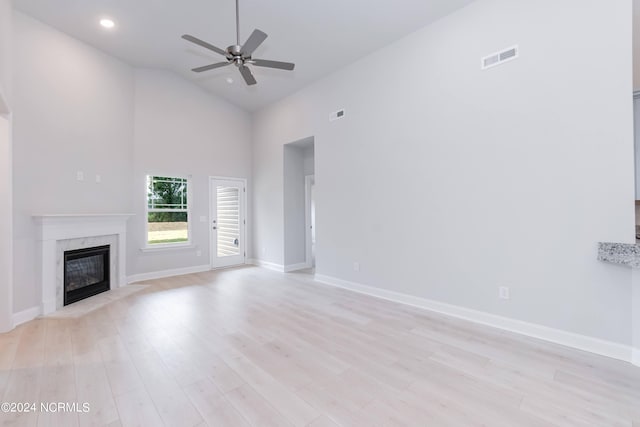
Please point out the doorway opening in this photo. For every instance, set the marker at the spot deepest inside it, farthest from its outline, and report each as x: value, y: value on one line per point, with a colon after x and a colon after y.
x: 299, y: 205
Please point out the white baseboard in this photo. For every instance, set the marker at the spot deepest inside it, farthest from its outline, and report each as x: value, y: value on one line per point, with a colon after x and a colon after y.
x: 295, y: 267
x: 25, y: 315
x: 167, y: 273
x: 266, y: 264
x: 558, y: 336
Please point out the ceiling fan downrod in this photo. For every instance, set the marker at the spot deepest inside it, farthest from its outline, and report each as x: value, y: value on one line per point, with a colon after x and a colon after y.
x: 237, y: 22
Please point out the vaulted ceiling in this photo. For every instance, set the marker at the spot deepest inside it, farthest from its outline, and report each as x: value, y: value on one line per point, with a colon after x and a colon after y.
x: 319, y: 36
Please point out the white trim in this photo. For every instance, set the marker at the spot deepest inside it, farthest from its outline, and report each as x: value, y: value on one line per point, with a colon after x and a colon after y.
x: 168, y: 247
x: 6, y: 276
x: 155, y: 246
x: 266, y: 264
x: 308, y: 236
x: 4, y: 105
x: 295, y: 267
x: 167, y: 273
x: 569, y: 339
x: 25, y: 315
x: 635, y: 358
x: 245, y: 219
x: 228, y: 178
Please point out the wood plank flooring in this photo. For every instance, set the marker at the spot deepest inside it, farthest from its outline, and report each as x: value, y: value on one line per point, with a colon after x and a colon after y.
x: 251, y: 347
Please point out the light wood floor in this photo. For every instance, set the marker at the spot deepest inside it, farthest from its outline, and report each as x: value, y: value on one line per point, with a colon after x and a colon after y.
x: 254, y: 347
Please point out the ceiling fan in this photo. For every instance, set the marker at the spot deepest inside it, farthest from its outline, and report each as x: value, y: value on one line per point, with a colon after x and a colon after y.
x: 239, y: 55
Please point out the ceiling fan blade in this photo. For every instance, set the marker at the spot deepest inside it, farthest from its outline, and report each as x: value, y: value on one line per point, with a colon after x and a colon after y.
x: 255, y: 39
x: 247, y: 76
x: 273, y: 64
x: 210, y: 67
x: 204, y: 44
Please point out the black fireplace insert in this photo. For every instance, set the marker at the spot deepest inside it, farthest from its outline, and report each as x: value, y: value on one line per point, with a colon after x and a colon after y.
x: 86, y: 273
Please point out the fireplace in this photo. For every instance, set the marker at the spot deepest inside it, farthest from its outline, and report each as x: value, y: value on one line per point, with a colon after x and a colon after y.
x: 59, y: 233
x: 86, y: 273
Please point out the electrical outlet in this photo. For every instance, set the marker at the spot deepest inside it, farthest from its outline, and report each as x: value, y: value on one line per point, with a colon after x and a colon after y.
x: 503, y: 292
x: 264, y: 251
x: 98, y: 179
x: 198, y: 253
x: 203, y: 218
x: 356, y: 266
x: 80, y: 176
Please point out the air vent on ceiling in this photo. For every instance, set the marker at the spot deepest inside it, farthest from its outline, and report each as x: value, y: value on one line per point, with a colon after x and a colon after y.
x: 501, y: 57
x: 336, y: 115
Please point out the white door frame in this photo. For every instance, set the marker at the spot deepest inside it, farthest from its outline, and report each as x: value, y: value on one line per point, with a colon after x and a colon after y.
x: 212, y: 243
x: 308, y: 179
x: 6, y: 272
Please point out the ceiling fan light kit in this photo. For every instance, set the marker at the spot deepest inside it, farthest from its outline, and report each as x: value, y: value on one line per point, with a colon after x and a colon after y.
x: 240, y: 55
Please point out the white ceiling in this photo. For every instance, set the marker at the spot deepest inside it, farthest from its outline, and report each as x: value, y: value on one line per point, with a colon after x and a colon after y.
x: 319, y: 36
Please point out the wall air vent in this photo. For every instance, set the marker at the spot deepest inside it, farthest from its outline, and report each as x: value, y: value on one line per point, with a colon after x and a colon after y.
x: 499, y: 58
x: 336, y: 115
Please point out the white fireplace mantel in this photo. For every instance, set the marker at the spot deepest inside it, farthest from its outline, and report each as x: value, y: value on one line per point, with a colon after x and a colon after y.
x: 56, y: 228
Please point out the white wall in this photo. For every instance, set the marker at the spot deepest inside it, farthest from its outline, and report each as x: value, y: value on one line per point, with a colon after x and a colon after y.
x: 635, y: 309
x: 5, y: 49
x: 73, y: 111
x: 6, y: 258
x: 309, y: 161
x: 540, y: 150
x: 181, y: 130
x: 636, y: 124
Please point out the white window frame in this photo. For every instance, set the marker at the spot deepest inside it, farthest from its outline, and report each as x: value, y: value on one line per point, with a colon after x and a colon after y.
x: 156, y: 246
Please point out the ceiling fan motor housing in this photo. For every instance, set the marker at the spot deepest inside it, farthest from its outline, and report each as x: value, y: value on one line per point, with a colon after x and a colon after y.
x: 235, y: 50
x: 234, y: 55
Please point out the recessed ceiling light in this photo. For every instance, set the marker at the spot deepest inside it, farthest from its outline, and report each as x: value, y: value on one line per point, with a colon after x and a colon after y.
x: 229, y: 80
x: 107, y: 23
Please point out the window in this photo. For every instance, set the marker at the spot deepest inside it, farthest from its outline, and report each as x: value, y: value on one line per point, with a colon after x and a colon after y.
x: 167, y: 210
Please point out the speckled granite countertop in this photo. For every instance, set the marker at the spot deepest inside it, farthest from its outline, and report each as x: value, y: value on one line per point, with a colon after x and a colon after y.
x: 619, y: 253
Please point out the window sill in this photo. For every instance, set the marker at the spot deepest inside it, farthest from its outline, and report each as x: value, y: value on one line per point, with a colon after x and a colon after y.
x: 168, y: 247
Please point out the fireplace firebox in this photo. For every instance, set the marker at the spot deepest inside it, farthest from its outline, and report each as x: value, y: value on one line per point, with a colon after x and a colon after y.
x: 86, y: 273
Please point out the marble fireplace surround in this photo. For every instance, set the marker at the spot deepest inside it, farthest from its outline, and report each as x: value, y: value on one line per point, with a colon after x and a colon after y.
x: 59, y: 233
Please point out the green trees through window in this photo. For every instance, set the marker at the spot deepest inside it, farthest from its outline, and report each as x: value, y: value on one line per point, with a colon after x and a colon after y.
x: 167, y: 210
